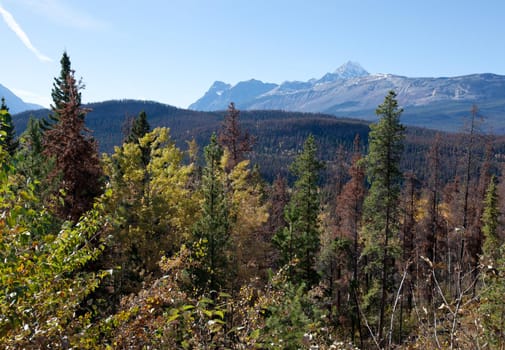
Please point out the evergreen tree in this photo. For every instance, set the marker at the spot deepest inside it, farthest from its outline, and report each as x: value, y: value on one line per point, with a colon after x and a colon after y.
x: 60, y: 93
x: 212, y: 231
x: 8, y: 140
x: 490, y: 222
x: 139, y: 128
x: 32, y: 138
x: 233, y: 138
x: 381, y: 209
x: 32, y: 166
x: 492, y: 307
x: 75, y: 155
x: 299, y: 241
x: 290, y: 320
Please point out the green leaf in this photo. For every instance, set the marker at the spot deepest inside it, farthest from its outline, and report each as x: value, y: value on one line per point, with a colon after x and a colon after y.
x: 188, y: 307
x: 255, y: 334
x: 173, y: 317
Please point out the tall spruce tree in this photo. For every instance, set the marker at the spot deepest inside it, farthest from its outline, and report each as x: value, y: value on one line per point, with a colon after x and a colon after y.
x: 75, y: 154
x: 212, y: 231
x: 8, y: 140
x: 381, y: 207
x: 299, y: 241
x: 59, y: 93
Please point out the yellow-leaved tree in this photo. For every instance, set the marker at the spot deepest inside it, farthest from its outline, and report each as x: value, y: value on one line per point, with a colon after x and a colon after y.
x: 249, y: 213
x: 151, y: 208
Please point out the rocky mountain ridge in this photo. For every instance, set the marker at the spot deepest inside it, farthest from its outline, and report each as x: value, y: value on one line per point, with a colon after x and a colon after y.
x: 351, y: 91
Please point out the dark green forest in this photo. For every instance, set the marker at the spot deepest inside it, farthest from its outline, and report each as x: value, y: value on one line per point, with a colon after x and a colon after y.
x: 128, y: 225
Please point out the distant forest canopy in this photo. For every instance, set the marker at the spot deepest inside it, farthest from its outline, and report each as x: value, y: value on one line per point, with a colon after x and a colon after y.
x: 279, y: 134
x: 376, y: 237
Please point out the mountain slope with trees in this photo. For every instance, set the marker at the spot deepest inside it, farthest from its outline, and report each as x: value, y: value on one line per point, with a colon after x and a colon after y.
x: 279, y: 134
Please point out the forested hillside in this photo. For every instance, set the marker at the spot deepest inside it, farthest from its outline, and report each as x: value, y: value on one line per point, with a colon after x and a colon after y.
x: 279, y: 134
x: 368, y: 236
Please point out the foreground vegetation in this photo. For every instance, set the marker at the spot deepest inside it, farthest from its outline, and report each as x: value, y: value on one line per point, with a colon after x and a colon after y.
x: 151, y: 247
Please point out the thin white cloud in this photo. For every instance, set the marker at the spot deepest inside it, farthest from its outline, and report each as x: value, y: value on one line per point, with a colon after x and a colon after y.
x: 60, y: 12
x: 16, y: 28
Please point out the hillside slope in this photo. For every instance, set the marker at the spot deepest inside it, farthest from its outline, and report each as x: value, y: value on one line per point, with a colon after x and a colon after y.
x: 279, y: 134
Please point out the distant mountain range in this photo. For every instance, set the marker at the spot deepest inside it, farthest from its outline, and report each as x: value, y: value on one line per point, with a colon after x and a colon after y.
x: 14, y: 103
x: 350, y: 91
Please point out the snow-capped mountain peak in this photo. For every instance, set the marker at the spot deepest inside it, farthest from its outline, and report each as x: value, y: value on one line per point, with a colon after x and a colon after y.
x: 352, y: 91
x: 351, y: 70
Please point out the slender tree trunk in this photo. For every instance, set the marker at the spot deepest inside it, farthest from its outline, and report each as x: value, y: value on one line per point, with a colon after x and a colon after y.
x: 384, y: 279
x: 355, y: 256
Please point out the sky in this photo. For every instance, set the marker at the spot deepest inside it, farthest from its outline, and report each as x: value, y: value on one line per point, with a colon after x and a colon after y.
x: 171, y: 51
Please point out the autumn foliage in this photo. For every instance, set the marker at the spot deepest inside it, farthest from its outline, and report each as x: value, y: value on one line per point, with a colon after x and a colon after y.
x: 151, y: 247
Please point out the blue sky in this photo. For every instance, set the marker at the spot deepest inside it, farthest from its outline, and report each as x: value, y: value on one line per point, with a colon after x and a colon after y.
x: 171, y: 51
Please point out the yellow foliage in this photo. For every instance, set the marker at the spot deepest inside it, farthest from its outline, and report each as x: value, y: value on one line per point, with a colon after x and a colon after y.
x: 421, y: 209
x: 248, y: 214
x: 149, y: 201
x: 247, y: 208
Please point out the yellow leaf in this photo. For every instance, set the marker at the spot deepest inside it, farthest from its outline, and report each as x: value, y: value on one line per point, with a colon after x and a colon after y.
x: 20, y: 268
